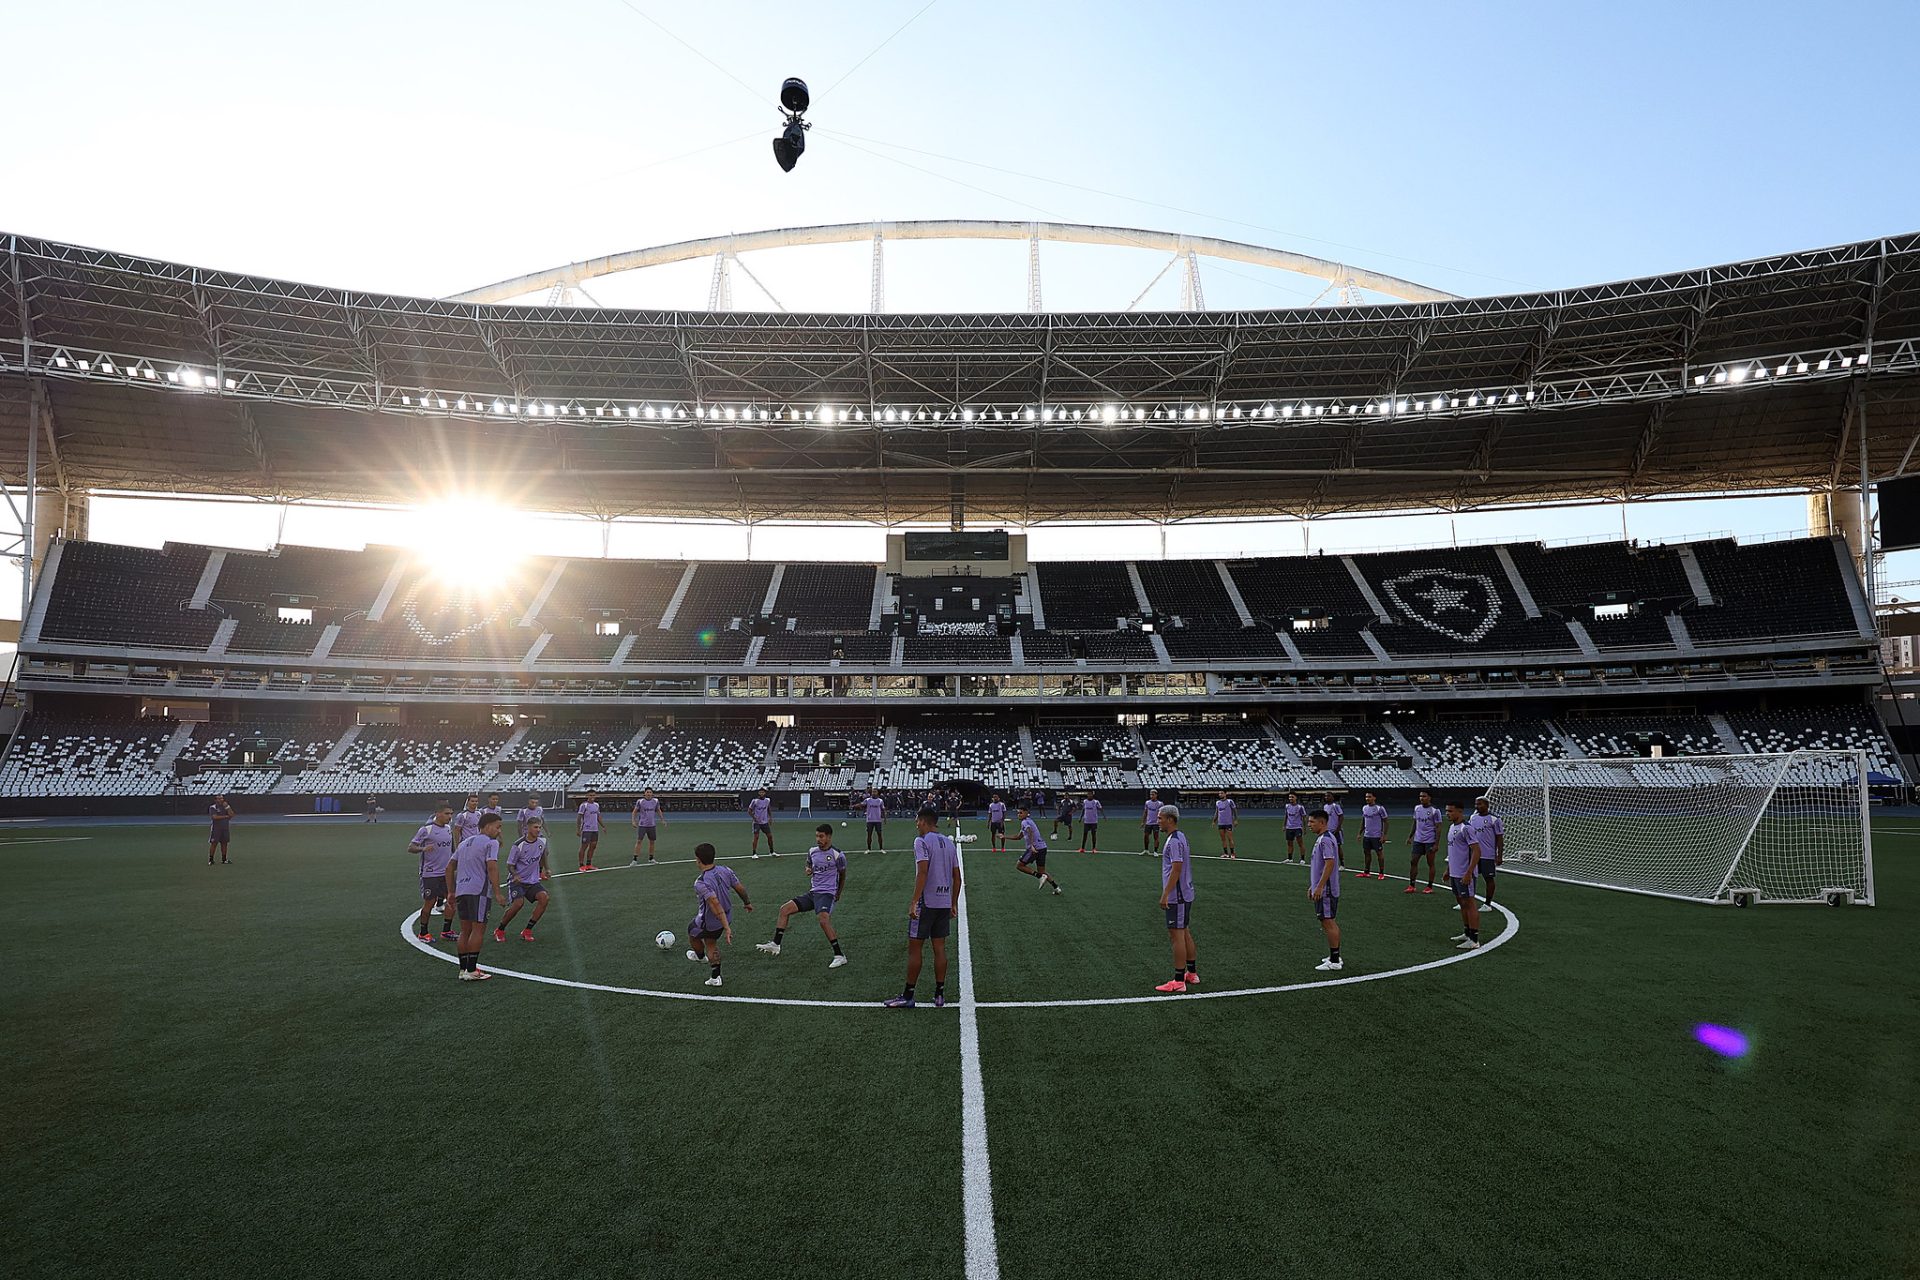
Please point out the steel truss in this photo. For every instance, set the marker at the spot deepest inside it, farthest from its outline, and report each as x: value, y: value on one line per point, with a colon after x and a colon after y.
x: 165, y: 376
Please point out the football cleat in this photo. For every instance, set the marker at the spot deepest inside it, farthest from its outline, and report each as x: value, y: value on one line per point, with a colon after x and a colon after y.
x: 526, y: 935
x: 1192, y: 979
x: 771, y: 948
x: 713, y: 981
x: 1173, y: 988
x: 425, y: 937
x: 836, y: 962
x: 1468, y: 944
x: 1056, y: 887
x: 499, y: 935
x: 939, y: 1000
x: 1409, y: 889
x: 693, y: 955
x: 1458, y: 937
x: 448, y: 935
x: 1330, y: 966
x: 898, y: 1002
x: 1428, y: 889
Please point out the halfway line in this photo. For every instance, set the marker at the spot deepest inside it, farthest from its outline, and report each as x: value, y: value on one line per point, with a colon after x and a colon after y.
x: 976, y: 1178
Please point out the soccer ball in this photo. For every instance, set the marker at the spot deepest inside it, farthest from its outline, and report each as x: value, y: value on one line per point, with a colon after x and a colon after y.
x: 843, y: 824
x: 664, y: 940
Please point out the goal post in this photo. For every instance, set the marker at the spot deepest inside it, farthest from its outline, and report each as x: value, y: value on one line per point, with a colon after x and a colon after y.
x: 1778, y: 827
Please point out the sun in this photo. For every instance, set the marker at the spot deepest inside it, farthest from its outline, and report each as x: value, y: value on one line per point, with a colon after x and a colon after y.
x: 468, y: 537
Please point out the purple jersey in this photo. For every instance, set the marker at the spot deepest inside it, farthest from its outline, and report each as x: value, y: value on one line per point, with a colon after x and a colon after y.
x: 436, y: 849
x: 493, y: 809
x: 1459, y: 850
x: 523, y: 861
x: 1426, y: 823
x: 942, y: 860
x: 470, y: 861
x: 1174, y: 852
x: 1373, y: 821
x: 761, y: 809
x: 589, y: 818
x: 1334, y: 814
x: 825, y: 866
x: 1150, y: 816
x: 1090, y: 813
x: 1325, y: 852
x: 1296, y: 817
x: 1486, y: 827
x: 646, y: 812
x: 527, y: 815
x: 715, y: 882
x: 876, y: 808
x: 997, y: 813
x: 465, y: 823
x: 1030, y: 835
x: 1224, y: 811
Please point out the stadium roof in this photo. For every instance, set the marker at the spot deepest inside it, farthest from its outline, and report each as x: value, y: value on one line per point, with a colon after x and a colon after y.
x: 153, y: 375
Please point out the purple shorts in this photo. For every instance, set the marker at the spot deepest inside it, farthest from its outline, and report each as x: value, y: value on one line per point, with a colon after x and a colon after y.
x: 1326, y: 906
x: 1179, y: 915
x: 932, y: 922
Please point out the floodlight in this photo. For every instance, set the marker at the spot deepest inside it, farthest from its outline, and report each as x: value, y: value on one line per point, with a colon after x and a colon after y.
x: 793, y: 95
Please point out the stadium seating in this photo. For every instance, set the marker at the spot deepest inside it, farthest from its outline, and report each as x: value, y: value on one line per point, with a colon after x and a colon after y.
x: 1057, y: 742
x: 51, y: 757
x: 694, y: 757
x: 826, y: 598
x: 1191, y: 591
x: 1470, y: 604
x: 438, y: 760
x: 1086, y: 595
x: 934, y: 752
x: 722, y: 592
x: 541, y: 756
x: 1849, y: 728
x: 578, y: 649
x: 1618, y: 736
x: 1207, y: 757
x: 633, y: 592
x: 130, y: 596
x: 270, y: 635
x: 1286, y: 587
x: 1470, y: 754
x: 1747, y: 582
x: 956, y: 650
x: 327, y: 581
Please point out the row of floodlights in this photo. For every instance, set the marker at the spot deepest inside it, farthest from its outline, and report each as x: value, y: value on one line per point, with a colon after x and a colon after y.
x: 1738, y: 373
x: 1735, y: 374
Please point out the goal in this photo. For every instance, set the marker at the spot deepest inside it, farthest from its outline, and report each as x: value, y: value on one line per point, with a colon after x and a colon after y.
x: 1782, y: 827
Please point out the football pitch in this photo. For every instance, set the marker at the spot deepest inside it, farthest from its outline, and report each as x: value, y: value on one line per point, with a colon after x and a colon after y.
x: 251, y: 1070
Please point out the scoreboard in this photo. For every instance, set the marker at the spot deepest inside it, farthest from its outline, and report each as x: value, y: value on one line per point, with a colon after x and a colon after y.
x: 989, y: 553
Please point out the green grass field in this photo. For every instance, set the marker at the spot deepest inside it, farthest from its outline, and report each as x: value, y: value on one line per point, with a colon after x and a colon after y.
x: 246, y: 1070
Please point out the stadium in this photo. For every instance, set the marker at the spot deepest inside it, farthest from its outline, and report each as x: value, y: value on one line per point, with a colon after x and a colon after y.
x: 278, y: 1056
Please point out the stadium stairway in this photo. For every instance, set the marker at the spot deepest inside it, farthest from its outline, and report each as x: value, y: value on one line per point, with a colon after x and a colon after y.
x: 507, y: 748
x: 182, y: 734
x: 340, y: 749
x: 1573, y: 749
x: 887, y: 743
x: 1027, y: 756
x: 1233, y: 593
x: 222, y: 637
x: 1677, y: 628
x: 1729, y: 740
x: 623, y: 762
x: 772, y: 759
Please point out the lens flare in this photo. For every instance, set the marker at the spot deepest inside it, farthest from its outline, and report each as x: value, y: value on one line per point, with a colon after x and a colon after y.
x: 707, y: 638
x: 1724, y: 1041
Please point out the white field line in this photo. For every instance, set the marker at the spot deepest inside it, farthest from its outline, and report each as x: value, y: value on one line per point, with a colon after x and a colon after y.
x: 1513, y: 927
x: 976, y: 1178
x: 44, y: 840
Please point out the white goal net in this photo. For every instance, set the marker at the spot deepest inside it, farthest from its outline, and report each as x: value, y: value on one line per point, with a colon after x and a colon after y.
x: 1791, y: 826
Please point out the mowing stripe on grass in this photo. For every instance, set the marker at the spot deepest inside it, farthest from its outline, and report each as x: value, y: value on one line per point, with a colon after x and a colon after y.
x: 976, y: 1177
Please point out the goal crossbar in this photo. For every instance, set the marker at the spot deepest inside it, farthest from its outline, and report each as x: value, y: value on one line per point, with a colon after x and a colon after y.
x: 1773, y: 827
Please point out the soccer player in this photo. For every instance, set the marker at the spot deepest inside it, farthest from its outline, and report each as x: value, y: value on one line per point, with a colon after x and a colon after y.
x: 1426, y: 828
x: 373, y: 809
x: 827, y: 872
x: 1176, y: 899
x: 760, y: 809
x: 220, y: 830
x: 1033, y: 861
x: 997, y: 823
x: 646, y: 823
x: 473, y: 883
x: 1323, y: 886
x: 434, y: 843
x: 1090, y: 824
x: 492, y: 806
x: 532, y: 813
x: 713, y: 918
x: 1296, y: 826
x: 876, y: 807
x: 1491, y: 835
x: 936, y: 888
x: 1150, y: 825
x: 1373, y: 836
x: 526, y: 868
x: 467, y: 821
x: 1335, y: 815
x: 1225, y: 814
x: 1461, y: 851
x: 1063, y: 814
x: 586, y: 823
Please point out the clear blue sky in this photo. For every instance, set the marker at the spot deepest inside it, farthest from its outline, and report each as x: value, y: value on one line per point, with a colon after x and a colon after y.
x: 428, y: 147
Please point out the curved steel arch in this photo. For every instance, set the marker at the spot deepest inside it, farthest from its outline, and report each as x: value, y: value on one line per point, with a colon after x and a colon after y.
x: 575, y: 273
